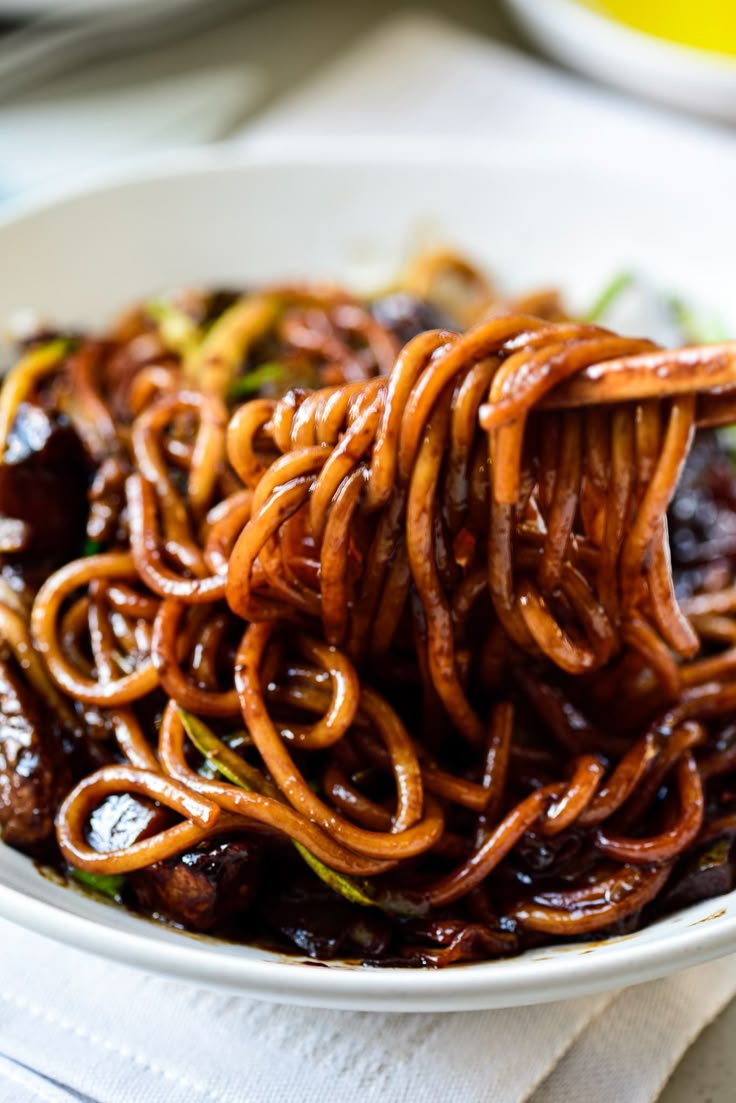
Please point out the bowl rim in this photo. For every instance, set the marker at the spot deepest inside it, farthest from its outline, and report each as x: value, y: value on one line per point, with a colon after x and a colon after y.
x: 623, y: 35
x: 571, y: 969
x: 555, y: 154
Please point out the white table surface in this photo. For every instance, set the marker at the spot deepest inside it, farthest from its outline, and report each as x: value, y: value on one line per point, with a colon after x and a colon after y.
x: 289, y: 40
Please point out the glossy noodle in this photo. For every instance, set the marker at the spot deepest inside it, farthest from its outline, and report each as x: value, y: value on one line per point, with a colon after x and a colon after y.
x: 404, y: 629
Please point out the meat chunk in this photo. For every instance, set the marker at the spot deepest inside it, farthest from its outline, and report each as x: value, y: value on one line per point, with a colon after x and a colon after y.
x: 199, y: 889
x: 308, y: 915
x: 405, y: 316
x: 702, y: 519
x: 122, y: 820
x: 709, y: 873
x: 43, y: 485
x: 32, y: 770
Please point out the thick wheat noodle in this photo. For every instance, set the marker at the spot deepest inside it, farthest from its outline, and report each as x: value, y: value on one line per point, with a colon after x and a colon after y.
x: 669, y: 617
x: 722, y: 603
x: 339, y: 708
x: 149, y: 382
x: 456, y: 492
x: 16, y: 635
x: 205, y: 655
x: 648, y: 432
x: 531, y: 373
x: 146, y: 439
x: 341, y: 462
x: 131, y: 602
x: 570, y: 654
x: 146, y: 545
x: 622, y: 782
x: 412, y: 361
x: 101, y: 635
x: 680, y: 740
x: 242, y: 432
x: 479, y: 797
x: 352, y: 802
x: 421, y: 388
x: 386, y: 543
x: 304, y: 689
x: 258, y: 808
x: 133, y: 744
x: 584, y: 785
x: 73, y: 629
x: 670, y: 843
x: 296, y: 470
x: 113, y: 637
x: 617, y: 507
x: 200, y: 817
x: 419, y: 528
x: 549, y: 802
x: 445, y: 538
x: 660, y: 485
x: 165, y: 645
x: 626, y: 538
x: 659, y: 374
x: 226, y: 521
x: 97, y: 427
x: 643, y: 638
x: 474, y: 870
x: 46, y: 609
x: 392, y: 602
x: 564, y: 505
x: 335, y: 580
x: 625, y: 892
x: 500, y: 569
x: 715, y: 668
x: 414, y: 832
x: 714, y: 627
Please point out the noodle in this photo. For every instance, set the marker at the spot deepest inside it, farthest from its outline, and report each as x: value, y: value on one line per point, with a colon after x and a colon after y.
x: 402, y: 627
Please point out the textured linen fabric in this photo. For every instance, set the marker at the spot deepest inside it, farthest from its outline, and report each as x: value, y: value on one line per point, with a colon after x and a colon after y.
x: 113, y: 1034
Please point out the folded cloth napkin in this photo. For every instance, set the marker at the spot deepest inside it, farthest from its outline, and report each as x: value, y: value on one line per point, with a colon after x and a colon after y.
x: 417, y: 74
x: 45, y: 141
x: 73, y: 1027
x: 112, y: 1034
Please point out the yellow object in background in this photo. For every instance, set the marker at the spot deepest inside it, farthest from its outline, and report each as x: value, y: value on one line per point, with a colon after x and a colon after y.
x: 706, y: 24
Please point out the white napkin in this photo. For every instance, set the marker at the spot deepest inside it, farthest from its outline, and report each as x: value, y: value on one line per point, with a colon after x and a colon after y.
x: 417, y: 74
x: 73, y: 1027
x: 115, y: 1035
x: 103, y: 114
x: 68, y: 136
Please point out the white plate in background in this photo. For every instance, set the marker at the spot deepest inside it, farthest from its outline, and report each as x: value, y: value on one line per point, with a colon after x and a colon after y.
x: 356, y: 211
x: 68, y: 9
x: 602, y: 48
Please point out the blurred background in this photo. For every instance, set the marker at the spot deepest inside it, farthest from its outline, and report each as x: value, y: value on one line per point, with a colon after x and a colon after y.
x: 85, y: 83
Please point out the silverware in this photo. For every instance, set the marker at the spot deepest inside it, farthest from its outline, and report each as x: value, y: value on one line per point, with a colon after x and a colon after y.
x: 55, y: 42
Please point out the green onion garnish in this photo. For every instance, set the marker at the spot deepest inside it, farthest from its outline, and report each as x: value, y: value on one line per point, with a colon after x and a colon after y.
x: 241, y: 773
x: 178, y: 331
x: 249, y: 384
x: 695, y: 325
x: 607, y: 296
x: 107, y: 884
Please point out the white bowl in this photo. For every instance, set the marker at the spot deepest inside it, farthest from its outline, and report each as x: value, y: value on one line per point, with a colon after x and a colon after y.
x: 680, y: 76
x: 357, y: 211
